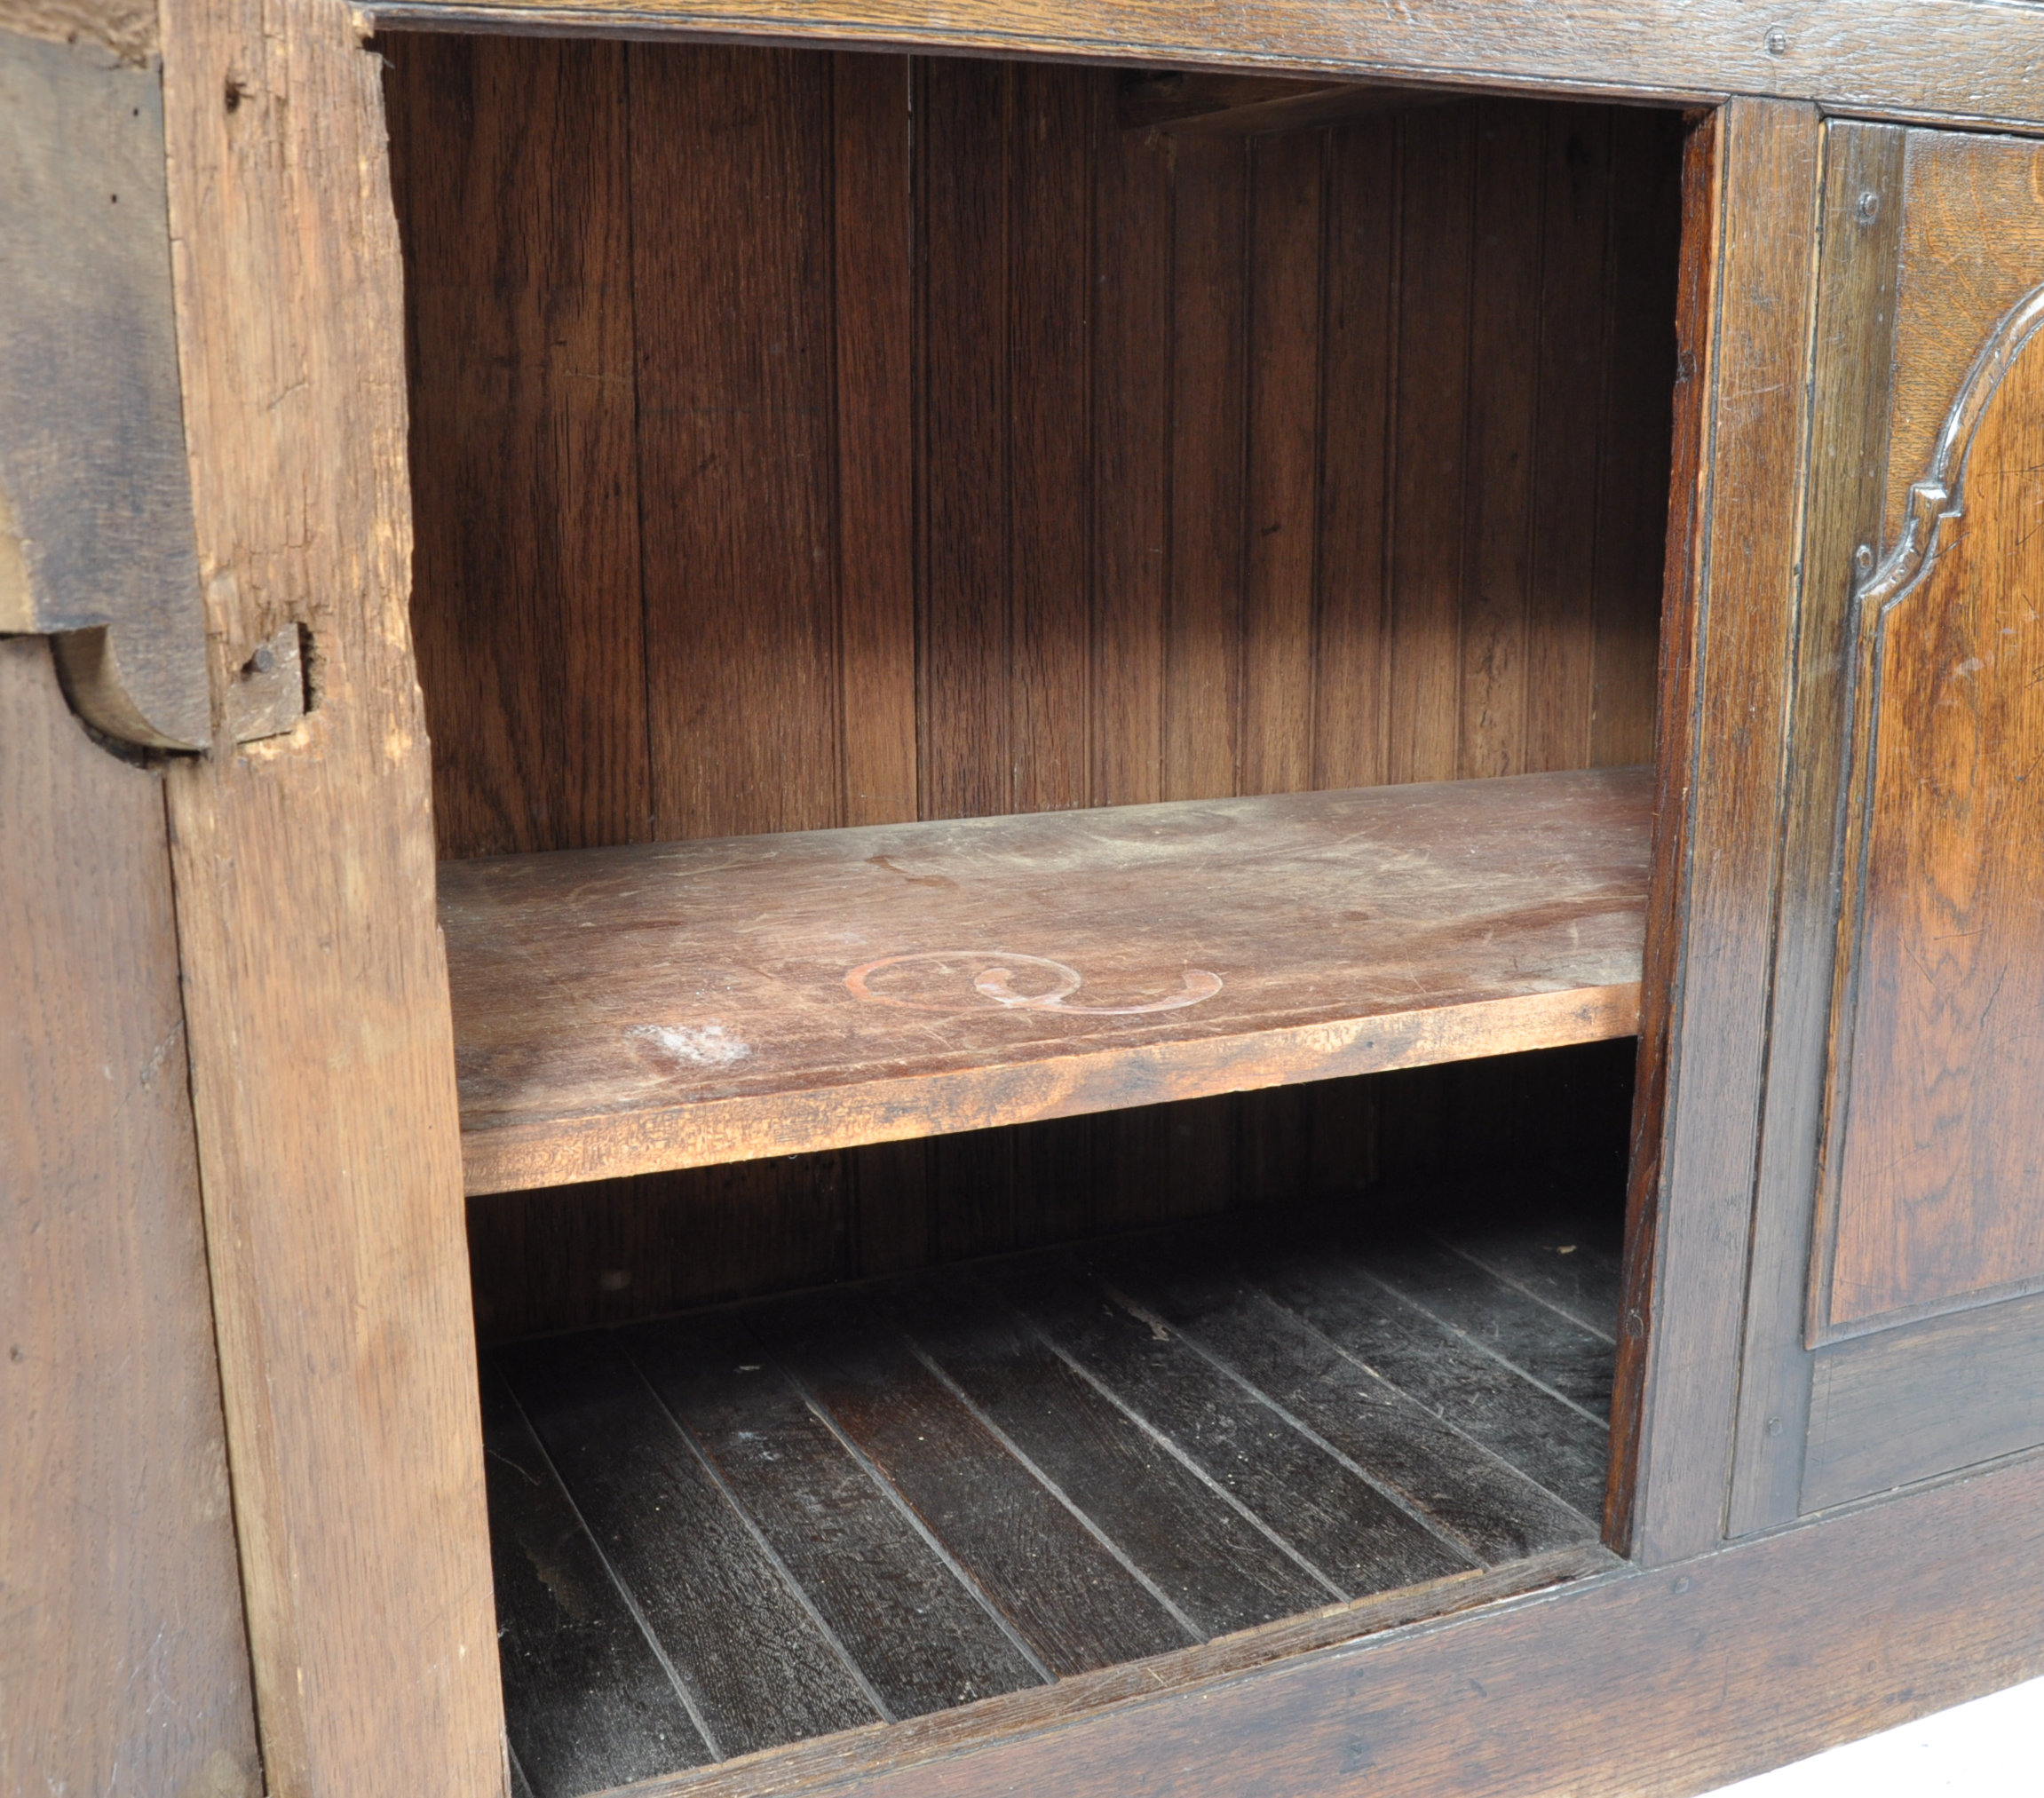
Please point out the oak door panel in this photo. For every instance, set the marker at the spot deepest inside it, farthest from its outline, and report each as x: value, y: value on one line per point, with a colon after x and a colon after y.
x: 1936, y: 1190
x: 1900, y: 1205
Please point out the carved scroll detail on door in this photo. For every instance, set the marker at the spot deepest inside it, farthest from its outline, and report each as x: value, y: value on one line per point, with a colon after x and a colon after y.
x: 1932, y: 1133
x: 1939, y: 496
x: 994, y: 981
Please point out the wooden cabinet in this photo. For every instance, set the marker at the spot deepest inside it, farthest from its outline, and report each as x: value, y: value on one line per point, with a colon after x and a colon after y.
x: 1098, y: 901
x: 1895, y: 1340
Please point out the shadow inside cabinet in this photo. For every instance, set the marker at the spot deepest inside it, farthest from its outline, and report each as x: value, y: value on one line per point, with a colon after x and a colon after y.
x: 1156, y: 1456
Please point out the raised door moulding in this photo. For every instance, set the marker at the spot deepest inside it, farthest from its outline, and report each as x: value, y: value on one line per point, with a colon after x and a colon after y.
x: 1937, y: 502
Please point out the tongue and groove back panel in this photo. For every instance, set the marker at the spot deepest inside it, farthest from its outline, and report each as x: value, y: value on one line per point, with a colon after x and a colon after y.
x: 802, y: 440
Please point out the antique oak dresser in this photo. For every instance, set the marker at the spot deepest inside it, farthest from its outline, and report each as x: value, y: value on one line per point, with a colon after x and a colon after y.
x: 1107, y: 897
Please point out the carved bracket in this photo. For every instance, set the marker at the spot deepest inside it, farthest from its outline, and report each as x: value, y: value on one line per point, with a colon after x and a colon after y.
x: 1940, y: 496
x: 97, y: 548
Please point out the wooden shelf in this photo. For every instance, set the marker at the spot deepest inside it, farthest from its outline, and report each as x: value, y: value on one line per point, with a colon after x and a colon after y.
x: 621, y: 1011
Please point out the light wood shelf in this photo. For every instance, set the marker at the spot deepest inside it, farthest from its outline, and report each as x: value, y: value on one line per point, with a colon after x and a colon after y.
x: 623, y: 1010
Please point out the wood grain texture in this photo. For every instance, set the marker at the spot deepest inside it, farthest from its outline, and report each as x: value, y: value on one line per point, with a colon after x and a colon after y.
x: 1482, y: 1396
x: 1198, y: 102
x: 1072, y: 1598
x: 1936, y: 58
x: 1927, y: 1197
x: 1904, y: 1404
x: 1057, y: 663
x: 1696, y: 310
x: 977, y: 1479
x: 625, y: 1010
x: 524, y: 463
x: 586, y: 1696
x: 1608, y: 1686
x: 1734, y: 716
x: 873, y: 295
x: 1210, y: 1557
x: 1972, y: 244
x: 314, y: 981
x: 122, y: 1655
x: 923, y: 1640
x: 1855, y: 374
x: 1312, y: 1346
x: 671, y: 1536
x: 607, y: 1252
x: 1346, y: 1529
x: 95, y: 498
x: 1102, y: 422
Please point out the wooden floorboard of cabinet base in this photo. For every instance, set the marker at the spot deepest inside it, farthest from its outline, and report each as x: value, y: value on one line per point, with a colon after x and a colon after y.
x: 1634, y: 1683
x: 626, y: 1009
x: 1937, y: 59
x: 897, y: 1499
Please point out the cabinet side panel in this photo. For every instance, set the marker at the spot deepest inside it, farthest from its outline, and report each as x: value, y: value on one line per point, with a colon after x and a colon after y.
x: 1769, y: 156
x: 123, y: 1660
x: 316, y: 995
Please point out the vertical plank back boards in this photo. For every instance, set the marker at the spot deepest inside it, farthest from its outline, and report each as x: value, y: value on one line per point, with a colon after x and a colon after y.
x: 315, y: 988
x: 1105, y: 468
x: 122, y: 1658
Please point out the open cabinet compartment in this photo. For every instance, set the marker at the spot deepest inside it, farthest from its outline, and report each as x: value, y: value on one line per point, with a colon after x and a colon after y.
x: 1028, y: 662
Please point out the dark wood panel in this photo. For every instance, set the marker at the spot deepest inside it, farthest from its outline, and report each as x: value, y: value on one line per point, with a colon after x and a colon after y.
x: 1931, y: 60
x: 1548, y: 1347
x: 1856, y: 329
x: 1048, y: 667
x: 1615, y: 1687
x: 1072, y: 1598
x: 910, y: 1620
x: 1086, y: 668
x: 1208, y: 374
x: 1481, y: 1394
x: 966, y: 254
x: 1360, y: 1409
x: 1130, y: 317
x: 510, y: 173
x: 737, y: 453
x: 1286, y: 290
x: 626, y: 1009
x: 1193, y: 101
x: 1737, y: 669
x: 121, y: 1632
x: 1218, y: 1568
x: 1928, y: 1197
x: 688, y: 1556
x: 1696, y: 312
x: 1352, y: 721
x: 872, y: 304
x: 1972, y: 244
x: 1083, y: 359
x: 1634, y: 460
x: 587, y: 1701
x: 1909, y: 1404
x: 1344, y: 1525
x: 1430, y: 473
